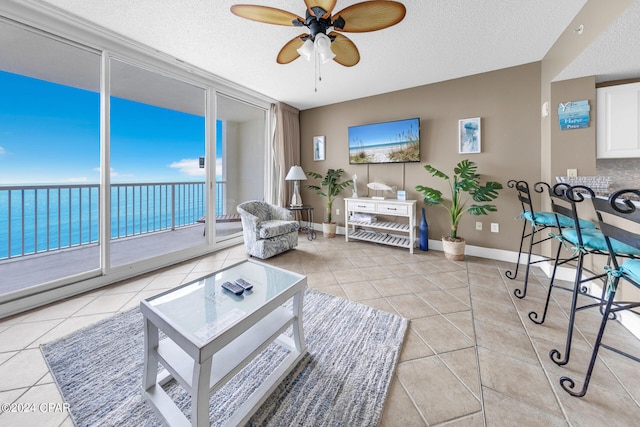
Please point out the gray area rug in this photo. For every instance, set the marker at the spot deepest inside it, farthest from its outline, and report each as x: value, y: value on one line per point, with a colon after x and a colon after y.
x: 343, y: 381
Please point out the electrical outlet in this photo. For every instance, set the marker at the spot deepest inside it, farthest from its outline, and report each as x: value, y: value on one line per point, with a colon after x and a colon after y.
x: 495, y: 227
x: 337, y: 211
x: 572, y: 172
x: 478, y: 226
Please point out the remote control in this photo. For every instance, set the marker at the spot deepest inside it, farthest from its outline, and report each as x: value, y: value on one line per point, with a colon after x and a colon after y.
x: 246, y: 285
x: 233, y: 287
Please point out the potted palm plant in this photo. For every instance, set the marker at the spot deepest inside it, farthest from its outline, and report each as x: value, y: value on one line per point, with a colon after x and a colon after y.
x: 465, y: 185
x: 329, y: 188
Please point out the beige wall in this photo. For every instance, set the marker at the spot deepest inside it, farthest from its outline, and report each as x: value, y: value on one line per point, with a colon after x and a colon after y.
x: 517, y: 143
x: 575, y: 148
x: 243, y: 170
x: 595, y: 17
x: 508, y: 101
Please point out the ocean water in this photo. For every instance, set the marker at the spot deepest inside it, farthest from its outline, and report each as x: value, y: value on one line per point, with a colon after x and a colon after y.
x: 36, y: 220
x: 399, y: 144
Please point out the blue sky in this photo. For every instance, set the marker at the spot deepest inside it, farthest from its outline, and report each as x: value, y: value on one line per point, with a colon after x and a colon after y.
x: 49, y: 133
x: 379, y: 133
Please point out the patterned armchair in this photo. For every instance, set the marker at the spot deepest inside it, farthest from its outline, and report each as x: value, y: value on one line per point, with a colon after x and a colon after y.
x: 267, y: 229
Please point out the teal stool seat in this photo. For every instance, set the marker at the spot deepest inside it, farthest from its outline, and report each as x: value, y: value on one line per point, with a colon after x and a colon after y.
x: 594, y: 240
x: 549, y: 219
x: 631, y: 267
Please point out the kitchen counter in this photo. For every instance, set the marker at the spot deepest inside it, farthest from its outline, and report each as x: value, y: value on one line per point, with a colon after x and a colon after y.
x: 602, y: 186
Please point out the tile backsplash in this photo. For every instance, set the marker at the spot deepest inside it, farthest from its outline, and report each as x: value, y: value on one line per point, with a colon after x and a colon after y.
x: 624, y: 173
x: 601, y: 184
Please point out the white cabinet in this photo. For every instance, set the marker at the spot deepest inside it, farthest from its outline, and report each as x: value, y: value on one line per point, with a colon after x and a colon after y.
x: 618, y: 121
x: 397, y: 231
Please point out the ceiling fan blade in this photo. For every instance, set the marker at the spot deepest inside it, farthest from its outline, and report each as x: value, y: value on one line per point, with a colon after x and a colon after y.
x: 289, y: 51
x: 370, y: 16
x: 345, y: 50
x: 326, y: 5
x: 266, y: 14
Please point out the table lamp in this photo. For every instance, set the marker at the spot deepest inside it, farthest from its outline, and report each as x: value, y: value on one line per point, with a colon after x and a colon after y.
x: 296, y: 174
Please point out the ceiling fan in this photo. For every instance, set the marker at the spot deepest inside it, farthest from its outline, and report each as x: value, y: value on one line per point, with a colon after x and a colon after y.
x: 324, y: 37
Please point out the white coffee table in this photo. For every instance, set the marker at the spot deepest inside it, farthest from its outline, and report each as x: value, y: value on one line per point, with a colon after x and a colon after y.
x: 212, y: 334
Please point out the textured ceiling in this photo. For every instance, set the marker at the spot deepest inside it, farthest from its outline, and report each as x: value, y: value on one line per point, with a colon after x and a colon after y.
x: 614, y: 54
x: 438, y: 40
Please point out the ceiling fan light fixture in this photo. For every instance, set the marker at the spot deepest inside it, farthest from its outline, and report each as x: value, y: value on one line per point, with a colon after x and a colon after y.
x: 326, y: 56
x: 325, y: 27
x: 306, y: 50
x: 323, y: 48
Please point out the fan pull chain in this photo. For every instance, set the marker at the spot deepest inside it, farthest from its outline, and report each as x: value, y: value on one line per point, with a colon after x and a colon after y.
x: 318, y: 71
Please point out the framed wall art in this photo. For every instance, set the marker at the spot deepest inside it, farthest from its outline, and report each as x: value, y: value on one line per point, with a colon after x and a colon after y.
x: 318, y: 148
x: 469, y: 136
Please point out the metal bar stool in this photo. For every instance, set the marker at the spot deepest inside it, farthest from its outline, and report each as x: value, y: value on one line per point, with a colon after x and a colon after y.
x: 534, y: 223
x: 583, y: 242
x: 626, y: 215
x: 566, y: 216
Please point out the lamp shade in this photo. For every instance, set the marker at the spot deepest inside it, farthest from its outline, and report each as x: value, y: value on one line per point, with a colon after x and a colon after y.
x: 296, y: 174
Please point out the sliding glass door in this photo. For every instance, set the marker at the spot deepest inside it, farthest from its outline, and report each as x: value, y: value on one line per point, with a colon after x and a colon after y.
x: 157, y: 138
x: 49, y: 159
x: 240, y: 154
x: 112, y: 165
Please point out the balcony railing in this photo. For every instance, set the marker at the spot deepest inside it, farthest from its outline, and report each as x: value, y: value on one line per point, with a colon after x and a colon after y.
x: 42, y: 218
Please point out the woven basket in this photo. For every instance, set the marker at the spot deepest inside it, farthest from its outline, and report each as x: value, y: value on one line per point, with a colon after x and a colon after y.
x: 453, y: 251
x: 329, y: 229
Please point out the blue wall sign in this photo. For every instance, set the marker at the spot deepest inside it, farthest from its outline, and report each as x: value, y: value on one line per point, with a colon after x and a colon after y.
x: 574, y: 115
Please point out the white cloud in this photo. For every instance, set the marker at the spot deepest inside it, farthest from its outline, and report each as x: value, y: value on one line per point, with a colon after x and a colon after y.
x: 219, y: 171
x: 188, y: 167
x: 2, y: 151
x: 79, y: 179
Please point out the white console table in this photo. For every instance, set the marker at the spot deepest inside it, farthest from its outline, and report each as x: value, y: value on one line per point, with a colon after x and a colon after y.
x: 395, y: 233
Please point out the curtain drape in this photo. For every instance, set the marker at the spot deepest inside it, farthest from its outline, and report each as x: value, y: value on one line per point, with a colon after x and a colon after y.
x: 273, y: 170
x: 288, y: 144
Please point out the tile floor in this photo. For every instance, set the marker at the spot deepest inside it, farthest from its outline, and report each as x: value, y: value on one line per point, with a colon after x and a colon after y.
x: 471, y: 357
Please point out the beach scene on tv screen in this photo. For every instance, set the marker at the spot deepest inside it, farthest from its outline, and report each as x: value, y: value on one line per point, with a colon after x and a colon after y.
x: 388, y: 142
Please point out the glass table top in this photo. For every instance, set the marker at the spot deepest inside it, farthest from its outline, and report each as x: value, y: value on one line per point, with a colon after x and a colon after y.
x: 202, y: 309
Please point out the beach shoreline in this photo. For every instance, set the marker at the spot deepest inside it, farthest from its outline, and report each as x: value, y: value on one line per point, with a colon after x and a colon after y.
x: 376, y: 154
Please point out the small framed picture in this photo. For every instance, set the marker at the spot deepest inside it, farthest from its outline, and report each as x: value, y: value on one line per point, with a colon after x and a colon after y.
x: 318, y: 148
x: 469, y: 136
x: 402, y: 195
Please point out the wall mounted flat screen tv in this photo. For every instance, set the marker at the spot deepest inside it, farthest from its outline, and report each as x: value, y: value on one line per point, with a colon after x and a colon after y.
x: 388, y: 142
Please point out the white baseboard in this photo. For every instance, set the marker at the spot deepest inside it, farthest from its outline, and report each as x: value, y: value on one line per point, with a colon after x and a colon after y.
x: 629, y: 320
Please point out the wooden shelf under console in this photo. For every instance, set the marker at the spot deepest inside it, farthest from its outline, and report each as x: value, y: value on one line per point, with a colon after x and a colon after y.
x: 401, y: 234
